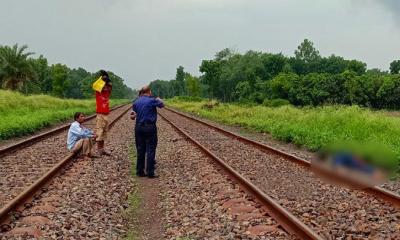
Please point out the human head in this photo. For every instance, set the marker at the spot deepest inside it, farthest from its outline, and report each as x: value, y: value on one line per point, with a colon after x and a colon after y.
x: 79, y: 117
x: 104, y: 76
x: 146, y: 90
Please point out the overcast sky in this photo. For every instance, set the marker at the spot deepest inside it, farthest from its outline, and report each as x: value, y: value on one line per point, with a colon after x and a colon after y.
x: 144, y: 40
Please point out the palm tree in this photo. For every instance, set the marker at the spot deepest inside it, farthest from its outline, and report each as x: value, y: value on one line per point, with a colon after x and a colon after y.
x: 15, y: 67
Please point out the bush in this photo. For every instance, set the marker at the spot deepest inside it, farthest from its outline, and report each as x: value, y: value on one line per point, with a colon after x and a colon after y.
x: 275, y: 102
x: 389, y: 92
x: 282, y: 85
x: 210, y: 105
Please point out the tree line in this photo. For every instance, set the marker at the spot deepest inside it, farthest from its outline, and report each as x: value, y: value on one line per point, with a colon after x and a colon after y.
x: 307, y: 78
x: 19, y: 71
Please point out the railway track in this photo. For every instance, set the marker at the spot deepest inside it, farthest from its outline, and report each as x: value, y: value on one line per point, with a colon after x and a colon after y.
x: 201, y: 201
x: 28, y: 167
x: 311, y: 208
x: 375, y: 190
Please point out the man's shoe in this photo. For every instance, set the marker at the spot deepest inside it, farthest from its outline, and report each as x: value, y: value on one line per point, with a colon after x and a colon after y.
x: 153, y: 176
x: 141, y: 175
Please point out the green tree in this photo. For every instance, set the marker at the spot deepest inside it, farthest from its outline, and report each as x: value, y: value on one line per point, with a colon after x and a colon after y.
x: 119, y: 90
x: 352, y: 86
x: 224, y: 54
x: 15, y: 67
x: 180, y: 78
x: 307, y: 52
x: 375, y: 72
x: 230, y: 72
x: 43, y: 76
x: 86, y: 86
x: 273, y: 65
x: 162, y: 88
x: 259, y: 91
x: 374, y: 83
x: 281, y: 86
x: 305, y: 79
x: 59, y: 74
x: 287, y: 68
x: 193, y: 85
x: 211, y: 70
x: 395, y: 67
x: 389, y: 92
x: 243, y: 91
x: 20, y: 72
x: 33, y: 85
x: 356, y: 66
x: 306, y: 58
x: 239, y: 68
x: 74, y: 83
x: 332, y: 64
x: 310, y: 89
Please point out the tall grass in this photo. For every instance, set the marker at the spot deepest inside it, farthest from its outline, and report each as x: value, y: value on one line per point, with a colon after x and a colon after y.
x: 21, y: 115
x: 313, y: 128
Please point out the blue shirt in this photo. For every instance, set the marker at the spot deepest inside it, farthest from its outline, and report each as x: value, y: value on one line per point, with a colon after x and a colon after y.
x: 349, y: 161
x: 146, y: 109
x: 77, y: 132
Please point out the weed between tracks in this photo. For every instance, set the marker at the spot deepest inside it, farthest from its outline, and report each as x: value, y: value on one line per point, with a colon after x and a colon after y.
x: 130, y: 214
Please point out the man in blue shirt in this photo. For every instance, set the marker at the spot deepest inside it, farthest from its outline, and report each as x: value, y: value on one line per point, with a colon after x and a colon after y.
x: 145, y: 107
x: 79, y: 137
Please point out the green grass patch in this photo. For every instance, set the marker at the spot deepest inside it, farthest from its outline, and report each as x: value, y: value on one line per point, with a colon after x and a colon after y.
x: 22, y: 115
x: 314, y: 128
x: 130, y: 214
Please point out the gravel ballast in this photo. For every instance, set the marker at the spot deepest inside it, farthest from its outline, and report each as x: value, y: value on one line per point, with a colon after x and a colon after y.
x: 330, y: 210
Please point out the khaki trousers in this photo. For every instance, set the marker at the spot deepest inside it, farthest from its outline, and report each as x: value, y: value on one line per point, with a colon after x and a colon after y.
x: 85, y: 145
x: 101, y: 126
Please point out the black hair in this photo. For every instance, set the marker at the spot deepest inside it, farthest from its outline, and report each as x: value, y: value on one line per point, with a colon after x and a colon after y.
x: 104, y: 76
x: 76, y: 115
x: 103, y: 73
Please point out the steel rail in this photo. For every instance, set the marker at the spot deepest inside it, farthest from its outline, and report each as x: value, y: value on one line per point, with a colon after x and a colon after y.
x: 379, y: 192
x: 288, y: 221
x: 39, y: 137
x: 18, y: 203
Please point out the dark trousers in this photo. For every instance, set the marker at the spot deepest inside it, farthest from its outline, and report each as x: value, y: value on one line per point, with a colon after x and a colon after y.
x: 146, y: 143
